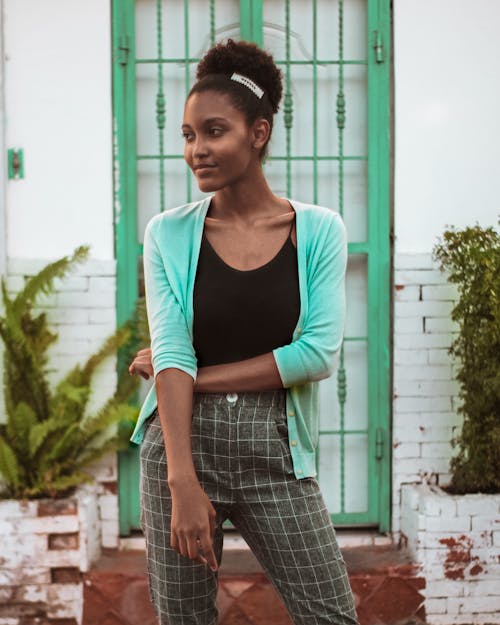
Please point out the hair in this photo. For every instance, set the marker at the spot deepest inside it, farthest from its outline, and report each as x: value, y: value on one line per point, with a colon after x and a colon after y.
x: 222, y: 60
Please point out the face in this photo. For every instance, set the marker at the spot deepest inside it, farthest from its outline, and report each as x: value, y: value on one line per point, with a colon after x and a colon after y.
x: 219, y: 143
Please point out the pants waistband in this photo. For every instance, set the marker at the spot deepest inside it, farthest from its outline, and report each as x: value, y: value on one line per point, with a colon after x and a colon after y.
x: 275, y: 398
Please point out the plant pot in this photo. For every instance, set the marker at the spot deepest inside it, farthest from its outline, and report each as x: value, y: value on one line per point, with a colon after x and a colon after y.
x: 456, y: 541
x: 46, y: 546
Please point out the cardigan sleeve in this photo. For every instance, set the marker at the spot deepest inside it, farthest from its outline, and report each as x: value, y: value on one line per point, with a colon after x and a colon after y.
x: 311, y: 356
x: 171, y: 344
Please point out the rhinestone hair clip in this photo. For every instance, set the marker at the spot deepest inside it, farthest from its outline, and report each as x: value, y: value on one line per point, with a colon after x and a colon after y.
x: 248, y: 83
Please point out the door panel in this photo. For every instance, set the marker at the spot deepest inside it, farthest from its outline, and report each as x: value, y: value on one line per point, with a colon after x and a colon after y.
x: 329, y: 141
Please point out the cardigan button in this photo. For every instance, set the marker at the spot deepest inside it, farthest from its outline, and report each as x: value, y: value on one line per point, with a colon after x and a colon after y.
x: 299, y: 471
x: 232, y: 398
x: 291, y: 413
x: 294, y: 443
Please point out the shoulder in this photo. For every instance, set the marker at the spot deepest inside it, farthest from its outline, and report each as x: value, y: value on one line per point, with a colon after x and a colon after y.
x: 175, y: 221
x: 319, y: 222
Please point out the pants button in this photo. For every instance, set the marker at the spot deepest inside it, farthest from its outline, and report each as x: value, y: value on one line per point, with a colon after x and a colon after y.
x: 232, y: 397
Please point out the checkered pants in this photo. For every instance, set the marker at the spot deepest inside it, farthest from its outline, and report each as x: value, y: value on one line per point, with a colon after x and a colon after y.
x: 242, y: 458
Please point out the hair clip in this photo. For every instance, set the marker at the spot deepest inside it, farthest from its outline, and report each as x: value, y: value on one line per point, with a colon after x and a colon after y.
x: 248, y: 83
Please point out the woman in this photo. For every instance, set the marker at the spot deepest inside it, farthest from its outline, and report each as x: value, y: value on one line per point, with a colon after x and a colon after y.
x: 245, y: 296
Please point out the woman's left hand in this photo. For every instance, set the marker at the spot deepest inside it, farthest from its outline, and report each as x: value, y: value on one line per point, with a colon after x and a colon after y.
x: 142, y: 364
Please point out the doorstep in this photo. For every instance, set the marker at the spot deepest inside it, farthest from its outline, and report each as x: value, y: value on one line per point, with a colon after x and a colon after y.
x: 386, y: 585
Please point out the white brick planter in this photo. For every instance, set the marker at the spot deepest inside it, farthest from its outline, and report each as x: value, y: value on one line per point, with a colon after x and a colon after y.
x: 456, y: 540
x: 46, y: 546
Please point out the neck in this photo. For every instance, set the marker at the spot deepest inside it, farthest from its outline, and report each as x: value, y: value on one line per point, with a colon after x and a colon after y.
x: 247, y: 200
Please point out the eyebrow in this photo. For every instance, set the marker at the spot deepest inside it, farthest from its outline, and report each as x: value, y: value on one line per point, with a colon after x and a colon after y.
x: 210, y: 120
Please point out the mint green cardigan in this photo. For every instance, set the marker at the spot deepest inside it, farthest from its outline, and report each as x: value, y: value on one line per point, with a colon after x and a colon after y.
x: 171, y: 247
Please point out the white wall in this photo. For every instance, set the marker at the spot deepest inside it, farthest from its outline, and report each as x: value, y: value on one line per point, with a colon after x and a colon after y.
x: 59, y: 110
x: 447, y: 121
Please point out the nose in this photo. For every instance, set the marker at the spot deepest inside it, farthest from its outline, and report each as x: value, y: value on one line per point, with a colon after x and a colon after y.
x: 199, y: 147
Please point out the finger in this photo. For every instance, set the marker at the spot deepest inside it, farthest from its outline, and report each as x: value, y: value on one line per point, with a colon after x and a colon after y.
x: 182, y: 546
x: 193, y: 547
x: 206, y: 546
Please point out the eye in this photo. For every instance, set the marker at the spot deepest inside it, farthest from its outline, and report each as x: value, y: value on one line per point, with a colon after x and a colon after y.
x: 187, y: 136
x: 215, y: 131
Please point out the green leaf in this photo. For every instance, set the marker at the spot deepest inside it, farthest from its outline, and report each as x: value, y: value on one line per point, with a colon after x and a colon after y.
x: 9, y: 467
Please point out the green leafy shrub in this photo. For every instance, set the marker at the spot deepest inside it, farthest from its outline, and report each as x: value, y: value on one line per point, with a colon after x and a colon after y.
x: 49, y: 438
x: 472, y: 259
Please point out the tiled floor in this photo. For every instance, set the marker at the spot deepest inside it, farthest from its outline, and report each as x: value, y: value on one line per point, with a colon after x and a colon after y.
x: 385, y: 584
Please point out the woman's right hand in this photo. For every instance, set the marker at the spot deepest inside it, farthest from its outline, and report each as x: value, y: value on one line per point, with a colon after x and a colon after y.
x: 142, y: 364
x: 193, y: 522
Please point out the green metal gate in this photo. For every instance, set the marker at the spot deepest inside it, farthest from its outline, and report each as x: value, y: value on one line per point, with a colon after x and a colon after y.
x: 330, y: 146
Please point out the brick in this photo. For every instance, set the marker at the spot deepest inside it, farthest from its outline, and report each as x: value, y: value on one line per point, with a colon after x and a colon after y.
x: 51, y: 507
x: 448, y: 524
x: 109, y: 507
x: 420, y: 465
x: 447, y: 292
x: 405, y: 450
x: 406, y: 293
x: 445, y: 588
x: 437, y: 450
x: 427, y: 373
x: 424, y: 308
x: 455, y: 605
x: 16, y: 554
x: 408, y: 325
x: 481, y: 505
x: 417, y: 404
x: 420, y: 277
x: 30, y: 593
x: 31, y: 575
x: 96, y: 299
x: 434, y: 540
x: 101, y: 284
x: 435, y: 606
x: 72, y: 283
x: 482, y: 588
x: 481, y: 604
x: 438, y: 325
x: 96, y: 267
x: 410, y: 357
x: 15, y: 284
x: 65, y: 600
x: 10, y: 509
x: 418, y: 261
x: 424, y: 388
x: 439, y: 356
x: 496, y: 538
x: 67, y: 317
x: 103, y: 316
x: 64, y: 541
x: 423, y: 341
x: 110, y: 531
x: 65, y: 575
x: 480, y: 523
x: 47, y: 524
x: 416, y: 432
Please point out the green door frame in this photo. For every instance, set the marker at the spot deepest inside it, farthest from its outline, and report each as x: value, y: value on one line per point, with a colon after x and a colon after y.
x: 377, y: 248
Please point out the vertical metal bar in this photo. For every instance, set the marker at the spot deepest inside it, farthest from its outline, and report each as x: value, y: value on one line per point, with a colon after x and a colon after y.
x: 379, y: 251
x: 315, y: 101
x: 186, y: 83
x: 125, y: 218
x: 341, y: 378
x: 160, y: 101
x: 288, y: 108
x: 212, y: 22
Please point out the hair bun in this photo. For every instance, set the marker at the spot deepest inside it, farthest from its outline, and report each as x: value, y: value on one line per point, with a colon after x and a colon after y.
x: 248, y: 59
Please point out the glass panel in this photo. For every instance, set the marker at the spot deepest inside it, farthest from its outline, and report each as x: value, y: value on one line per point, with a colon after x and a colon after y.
x: 356, y: 473
x: 329, y: 472
x: 356, y: 399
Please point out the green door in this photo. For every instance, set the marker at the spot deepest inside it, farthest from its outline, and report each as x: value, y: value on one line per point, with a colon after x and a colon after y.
x: 330, y: 146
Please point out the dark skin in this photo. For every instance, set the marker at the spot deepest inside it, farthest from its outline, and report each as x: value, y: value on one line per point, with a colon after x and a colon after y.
x: 247, y: 224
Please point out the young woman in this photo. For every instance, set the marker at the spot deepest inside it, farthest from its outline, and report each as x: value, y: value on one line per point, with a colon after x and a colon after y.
x: 245, y: 295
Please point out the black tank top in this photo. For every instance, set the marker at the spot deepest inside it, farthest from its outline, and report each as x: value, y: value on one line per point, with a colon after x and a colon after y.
x: 241, y: 314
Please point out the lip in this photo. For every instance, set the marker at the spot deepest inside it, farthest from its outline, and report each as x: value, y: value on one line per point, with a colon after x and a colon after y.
x: 202, y: 168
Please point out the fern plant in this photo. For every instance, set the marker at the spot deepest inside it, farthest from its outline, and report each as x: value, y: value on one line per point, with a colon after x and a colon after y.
x: 49, y: 439
x: 472, y: 259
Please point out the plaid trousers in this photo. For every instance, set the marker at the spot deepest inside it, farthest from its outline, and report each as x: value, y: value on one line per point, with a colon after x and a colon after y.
x: 242, y: 458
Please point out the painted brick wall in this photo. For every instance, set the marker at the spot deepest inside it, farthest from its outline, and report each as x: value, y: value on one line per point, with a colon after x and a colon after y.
x: 425, y: 394
x: 456, y: 540
x: 82, y: 311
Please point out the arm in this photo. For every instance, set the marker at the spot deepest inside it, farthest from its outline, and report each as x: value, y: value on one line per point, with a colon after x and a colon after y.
x: 174, y: 368
x: 308, y: 358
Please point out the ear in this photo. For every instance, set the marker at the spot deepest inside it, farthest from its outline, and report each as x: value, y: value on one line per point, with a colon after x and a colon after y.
x: 260, y: 131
